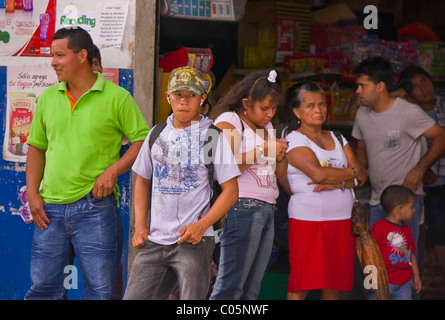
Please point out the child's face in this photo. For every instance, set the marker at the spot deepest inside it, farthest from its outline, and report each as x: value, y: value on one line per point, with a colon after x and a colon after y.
x: 262, y: 112
x: 423, y: 90
x: 96, y: 65
x: 407, y: 210
x: 186, y: 106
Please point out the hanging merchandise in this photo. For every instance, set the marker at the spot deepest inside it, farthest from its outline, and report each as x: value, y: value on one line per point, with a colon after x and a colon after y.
x: 215, y: 10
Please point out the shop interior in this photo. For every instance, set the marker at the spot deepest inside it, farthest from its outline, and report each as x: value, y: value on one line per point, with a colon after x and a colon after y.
x: 320, y: 40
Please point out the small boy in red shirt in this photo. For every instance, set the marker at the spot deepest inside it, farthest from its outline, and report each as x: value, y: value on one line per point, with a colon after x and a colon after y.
x: 396, y: 243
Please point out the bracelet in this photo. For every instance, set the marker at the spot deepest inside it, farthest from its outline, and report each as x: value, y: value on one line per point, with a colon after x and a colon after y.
x: 343, y: 186
x: 261, y: 152
x: 353, y: 172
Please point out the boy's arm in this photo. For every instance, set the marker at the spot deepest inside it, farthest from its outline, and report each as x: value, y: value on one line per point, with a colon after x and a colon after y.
x: 142, y: 190
x: 417, y: 284
x: 192, y: 233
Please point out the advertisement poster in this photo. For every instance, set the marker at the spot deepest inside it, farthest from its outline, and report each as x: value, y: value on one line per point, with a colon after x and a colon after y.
x: 27, y: 27
x: 106, y: 25
x: 24, y: 85
x: 71, y: 18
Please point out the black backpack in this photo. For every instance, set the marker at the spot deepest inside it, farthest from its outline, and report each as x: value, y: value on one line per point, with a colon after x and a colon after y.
x: 214, y: 185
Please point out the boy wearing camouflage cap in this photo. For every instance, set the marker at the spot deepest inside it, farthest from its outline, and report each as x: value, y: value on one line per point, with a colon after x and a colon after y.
x: 178, y: 245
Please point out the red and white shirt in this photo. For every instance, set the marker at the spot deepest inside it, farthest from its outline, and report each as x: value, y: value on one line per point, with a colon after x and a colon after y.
x: 396, y: 244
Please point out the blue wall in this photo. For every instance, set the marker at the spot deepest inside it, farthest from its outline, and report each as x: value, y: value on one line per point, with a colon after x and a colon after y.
x: 16, y: 235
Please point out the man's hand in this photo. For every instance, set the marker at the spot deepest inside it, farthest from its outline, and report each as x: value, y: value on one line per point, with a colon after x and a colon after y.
x: 429, y: 178
x: 39, y: 217
x: 104, y: 184
x: 413, y: 178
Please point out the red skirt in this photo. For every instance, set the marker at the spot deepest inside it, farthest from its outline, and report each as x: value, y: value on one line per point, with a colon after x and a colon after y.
x: 321, y: 255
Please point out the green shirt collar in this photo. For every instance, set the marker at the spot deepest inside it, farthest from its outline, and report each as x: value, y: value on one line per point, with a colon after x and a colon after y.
x: 97, y: 86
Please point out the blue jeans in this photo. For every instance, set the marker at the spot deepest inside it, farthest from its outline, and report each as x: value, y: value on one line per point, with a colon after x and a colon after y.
x: 376, y: 213
x: 246, y: 246
x: 157, y: 268
x: 91, y: 230
x: 403, y: 292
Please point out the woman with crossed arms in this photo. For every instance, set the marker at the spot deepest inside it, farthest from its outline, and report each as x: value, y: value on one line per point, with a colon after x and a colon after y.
x: 321, y: 243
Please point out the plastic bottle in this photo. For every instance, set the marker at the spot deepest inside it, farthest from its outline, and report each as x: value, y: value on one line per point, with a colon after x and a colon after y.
x: 10, y: 6
x: 19, y: 4
x: 27, y: 5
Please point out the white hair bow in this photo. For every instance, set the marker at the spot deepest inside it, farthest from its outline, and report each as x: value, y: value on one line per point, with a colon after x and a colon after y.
x: 272, y: 76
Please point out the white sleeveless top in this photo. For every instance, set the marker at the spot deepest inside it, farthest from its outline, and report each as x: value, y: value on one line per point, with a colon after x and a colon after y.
x: 307, y: 205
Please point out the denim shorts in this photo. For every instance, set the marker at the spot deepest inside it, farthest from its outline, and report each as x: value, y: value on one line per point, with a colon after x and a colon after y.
x: 403, y: 292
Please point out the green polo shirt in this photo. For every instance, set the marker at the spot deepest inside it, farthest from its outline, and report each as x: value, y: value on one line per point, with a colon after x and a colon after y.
x: 82, y: 138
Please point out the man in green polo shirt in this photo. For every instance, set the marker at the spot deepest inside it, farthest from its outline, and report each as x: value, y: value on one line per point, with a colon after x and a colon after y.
x: 71, y: 172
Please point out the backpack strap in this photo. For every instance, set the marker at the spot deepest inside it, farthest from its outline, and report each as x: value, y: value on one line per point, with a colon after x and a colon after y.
x: 210, y: 165
x: 208, y: 139
x: 155, y: 133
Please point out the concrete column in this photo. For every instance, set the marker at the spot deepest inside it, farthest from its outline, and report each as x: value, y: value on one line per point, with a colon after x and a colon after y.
x: 145, y: 71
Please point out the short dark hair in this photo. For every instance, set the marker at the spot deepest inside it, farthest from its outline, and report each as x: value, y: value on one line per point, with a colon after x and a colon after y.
x: 377, y: 69
x: 393, y: 196
x: 405, y: 84
x: 412, y: 71
x: 78, y: 39
x: 96, y: 54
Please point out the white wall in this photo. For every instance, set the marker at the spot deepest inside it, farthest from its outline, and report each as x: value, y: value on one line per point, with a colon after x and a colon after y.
x: 112, y: 57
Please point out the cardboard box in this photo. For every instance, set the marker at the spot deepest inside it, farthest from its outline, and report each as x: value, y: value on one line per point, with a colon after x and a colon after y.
x: 297, y: 38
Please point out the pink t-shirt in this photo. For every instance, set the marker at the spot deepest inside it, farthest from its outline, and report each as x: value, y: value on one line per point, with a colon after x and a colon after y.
x: 259, y: 180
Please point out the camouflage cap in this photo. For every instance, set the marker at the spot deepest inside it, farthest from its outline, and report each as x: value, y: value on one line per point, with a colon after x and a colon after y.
x: 186, y: 78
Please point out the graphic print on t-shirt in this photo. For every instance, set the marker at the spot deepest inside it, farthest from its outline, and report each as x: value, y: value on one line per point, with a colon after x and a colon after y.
x: 263, y: 178
x: 399, y: 252
x: 392, y: 139
x: 331, y: 163
x: 176, y: 167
